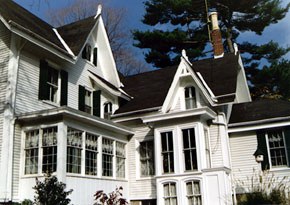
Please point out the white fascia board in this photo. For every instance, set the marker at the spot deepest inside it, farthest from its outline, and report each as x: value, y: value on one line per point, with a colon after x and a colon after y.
x: 210, y: 114
x: 5, y: 22
x: 104, y: 86
x: 80, y: 116
x: 132, y: 113
x: 41, y: 44
x: 259, y: 124
x: 63, y: 42
x: 244, y: 81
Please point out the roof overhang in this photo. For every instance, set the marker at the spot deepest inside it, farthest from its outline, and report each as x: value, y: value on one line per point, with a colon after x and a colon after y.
x: 69, y: 113
x: 259, y: 124
x: 204, y: 112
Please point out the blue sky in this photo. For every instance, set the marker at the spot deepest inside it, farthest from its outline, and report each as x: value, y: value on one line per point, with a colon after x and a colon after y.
x: 279, y: 32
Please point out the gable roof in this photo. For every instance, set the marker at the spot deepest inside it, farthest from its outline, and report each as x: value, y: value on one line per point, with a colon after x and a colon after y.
x: 150, y: 89
x: 77, y: 30
x: 26, y: 21
x: 259, y: 110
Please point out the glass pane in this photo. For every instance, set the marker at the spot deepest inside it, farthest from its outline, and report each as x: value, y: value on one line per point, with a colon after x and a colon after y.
x: 164, y: 141
x: 189, y: 188
x: 166, y: 190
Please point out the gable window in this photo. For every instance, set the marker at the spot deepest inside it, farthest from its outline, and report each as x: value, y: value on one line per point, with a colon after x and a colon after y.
x: 193, y: 193
x: 120, y: 159
x: 89, y: 102
x: 190, y: 97
x: 107, y: 157
x: 170, y: 196
x: 95, y: 56
x: 91, y: 154
x: 189, y: 149
x: 167, y: 152
x: 108, y: 110
x: 52, y: 84
x: 41, y: 150
x: 147, y: 158
x: 86, y: 54
x: 74, y: 150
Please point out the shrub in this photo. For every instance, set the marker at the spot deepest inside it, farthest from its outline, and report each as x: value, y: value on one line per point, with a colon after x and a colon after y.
x: 51, y: 191
x: 264, y: 188
x: 114, y: 198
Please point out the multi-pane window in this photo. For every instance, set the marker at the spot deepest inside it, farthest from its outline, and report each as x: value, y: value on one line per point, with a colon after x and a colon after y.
x: 190, y: 98
x: 170, y: 196
x: 277, y: 148
x: 74, y: 150
x: 107, y: 157
x: 91, y: 154
x: 189, y: 149
x: 120, y: 159
x: 193, y: 193
x: 108, y: 110
x: 167, y: 152
x: 31, y: 152
x: 53, y: 84
x: 147, y: 158
x: 49, y: 149
x: 88, y: 102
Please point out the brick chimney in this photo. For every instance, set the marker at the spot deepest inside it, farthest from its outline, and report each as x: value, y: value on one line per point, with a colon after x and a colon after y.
x: 216, y: 37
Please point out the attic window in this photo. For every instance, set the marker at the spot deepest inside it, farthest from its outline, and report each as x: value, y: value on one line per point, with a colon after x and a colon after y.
x: 190, y: 97
x: 107, y: 110
x: 86, y: 54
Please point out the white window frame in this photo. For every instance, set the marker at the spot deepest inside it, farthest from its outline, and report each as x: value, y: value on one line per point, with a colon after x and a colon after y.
x: 88, y: 101
x: 192, y: 99
x: 139, y: 160
x: 54, y: 98
x: 190, y: 149
x: 192, y: 195
x: 167, y: 152
x: 40, y: 148
x: 120, y: 158
x: 112, y: 155
x: 170, y: 196
x: 107, y: 114
x: 269, y: 149
x: 92, y: 149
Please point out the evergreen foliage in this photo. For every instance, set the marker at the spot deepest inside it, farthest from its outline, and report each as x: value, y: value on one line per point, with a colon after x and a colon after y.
x: 51, y: 191
x: 183, y: 24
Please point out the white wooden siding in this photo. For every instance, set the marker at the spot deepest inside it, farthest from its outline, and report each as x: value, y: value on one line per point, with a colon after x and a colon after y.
x: 16, y: 161
x: 216, y: 148
x: 139, y: 188
x: 4, y: 58
x: 242, y: 146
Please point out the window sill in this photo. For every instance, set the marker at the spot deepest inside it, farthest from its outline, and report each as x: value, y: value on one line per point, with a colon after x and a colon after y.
x: 95, y: 177
x: 279, y: 169
x: 145, y: 178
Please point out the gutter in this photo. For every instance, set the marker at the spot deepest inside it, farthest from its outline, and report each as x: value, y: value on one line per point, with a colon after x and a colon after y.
x: 232, y: 125
x: 65, y: 55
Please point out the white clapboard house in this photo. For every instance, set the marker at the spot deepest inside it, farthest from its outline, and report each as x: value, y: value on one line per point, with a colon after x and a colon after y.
x: 179, y: 135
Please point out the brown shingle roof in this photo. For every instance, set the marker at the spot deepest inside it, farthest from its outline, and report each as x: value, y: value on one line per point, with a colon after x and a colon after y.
x: 259, y: 110
x: 11, y: 11
x: 149, y: 89
x: 76, y: 33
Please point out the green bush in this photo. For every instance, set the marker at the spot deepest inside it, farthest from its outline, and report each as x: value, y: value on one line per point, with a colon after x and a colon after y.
x: 264, y: 188
x: 51, y: 192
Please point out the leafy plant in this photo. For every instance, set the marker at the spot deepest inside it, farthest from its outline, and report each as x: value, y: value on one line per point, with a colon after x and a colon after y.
x: 264, y: 188
x: 113, y: 198
x: 51, y: 191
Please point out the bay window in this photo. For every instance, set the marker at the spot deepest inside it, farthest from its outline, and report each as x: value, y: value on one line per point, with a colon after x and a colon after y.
x: 107, y: 157
x: 167, y: 152
x: 189, y: 149
x: 120, y: 159
x: 74, y: 150
x: 91, y: 154
x: 193, y: 193
x: 147, y: 158
x: 170, y: 196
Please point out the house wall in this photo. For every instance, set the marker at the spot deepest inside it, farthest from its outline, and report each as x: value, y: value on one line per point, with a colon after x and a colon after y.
x: 5, y: 38
x: 140, y: 188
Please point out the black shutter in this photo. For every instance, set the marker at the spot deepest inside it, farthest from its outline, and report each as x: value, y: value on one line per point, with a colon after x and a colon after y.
x: 43, y: 92
x: 82, y: 93
x: 262, y: 145
x: 64, y: 84
x: 97, y: 103
x: 95, y: 60
x: 287, y: 140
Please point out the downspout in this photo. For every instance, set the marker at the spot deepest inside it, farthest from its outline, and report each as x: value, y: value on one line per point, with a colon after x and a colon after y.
x: 6, y: 170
